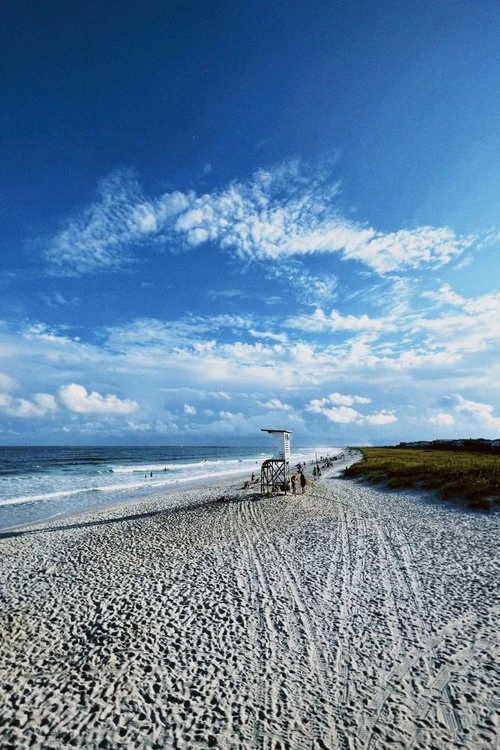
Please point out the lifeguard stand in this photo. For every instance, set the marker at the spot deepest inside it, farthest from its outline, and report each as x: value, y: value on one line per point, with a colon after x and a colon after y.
x: 275, y: 471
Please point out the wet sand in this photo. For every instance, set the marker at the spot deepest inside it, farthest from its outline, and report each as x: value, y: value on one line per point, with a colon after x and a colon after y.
x: 347, y: 617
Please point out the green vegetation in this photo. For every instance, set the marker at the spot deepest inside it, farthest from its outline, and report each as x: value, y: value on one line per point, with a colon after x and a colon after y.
x: 473, y: 478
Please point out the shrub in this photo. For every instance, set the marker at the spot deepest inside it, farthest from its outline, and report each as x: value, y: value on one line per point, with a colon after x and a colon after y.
x: 472, y: 477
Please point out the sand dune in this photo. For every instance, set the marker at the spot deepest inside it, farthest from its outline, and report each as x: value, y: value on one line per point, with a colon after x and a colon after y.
x: 344, y: 618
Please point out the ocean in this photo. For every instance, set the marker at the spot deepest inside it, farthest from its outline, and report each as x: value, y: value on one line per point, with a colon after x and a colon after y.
x: 40, y: 483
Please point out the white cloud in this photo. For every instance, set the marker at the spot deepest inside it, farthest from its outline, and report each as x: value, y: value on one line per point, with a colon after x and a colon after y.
x: 224, y: 293
x: 492, y: 237
x: 481, y: 413
x: 281, y: 212
x: 57, y: 300
x: 45, y: 401
x: 337, y: 408
x: 188, y: 409
x: 442, y: 419
x: 341, y: 414
x: 412, y: 360
x: 449, y: 346
x: 24, y: 409
x: 77, y: 399
x: 282, y: 337
x: 181, y: 347
x: 232, y: 416
x: 474, y: 328
x: 197, y: 393
x: 101, y: 237
x: 381, y: 417
x: 445, y: 295
x: 275, y: 404
x: 302, y: 353
x: 319, y: 321
x: 423, y: 246
x: 267, y: 218
x: 310, y: 289
x: 196, y: 357
x: 143, y: 218
x: 346, y: 400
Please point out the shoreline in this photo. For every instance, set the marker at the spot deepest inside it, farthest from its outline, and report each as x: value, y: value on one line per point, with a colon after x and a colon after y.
x: 344, y: 617
x: 112, y: 506
x: 40, y: 486
x: 186, y: 487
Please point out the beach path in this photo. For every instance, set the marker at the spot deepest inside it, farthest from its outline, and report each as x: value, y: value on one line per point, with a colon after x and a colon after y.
x: 347, y: 617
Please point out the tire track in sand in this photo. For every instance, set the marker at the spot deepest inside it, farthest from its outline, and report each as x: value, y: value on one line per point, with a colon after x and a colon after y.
x: 268, y: 698
x: 445, y: 706
x: 353, y: 546
x: 296, y: 617
x: 353, y: 542
x: 401, y: 577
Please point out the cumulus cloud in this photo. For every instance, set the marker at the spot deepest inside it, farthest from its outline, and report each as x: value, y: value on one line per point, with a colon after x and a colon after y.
x: 77, y: 399
x: 482, y: 413
x: 346, y: 400
x: 232, y: 354
x: 25, y: 409
x: 45, y: 401
x: 287, y: 211
x: 339, y: 414
x: 188, y: 409
x: 442, y: 419
x: 182, y: 346
x: 382, y: 417
x: 338, y: 408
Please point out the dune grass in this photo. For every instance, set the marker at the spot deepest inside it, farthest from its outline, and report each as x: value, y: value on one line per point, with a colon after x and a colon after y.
x: 472, y: 478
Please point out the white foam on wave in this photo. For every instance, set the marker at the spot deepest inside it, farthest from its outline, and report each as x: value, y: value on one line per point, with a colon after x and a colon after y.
x: 155, y: 483
x: 155, y: 478
x: 189, y: 466
x: 46, y: 496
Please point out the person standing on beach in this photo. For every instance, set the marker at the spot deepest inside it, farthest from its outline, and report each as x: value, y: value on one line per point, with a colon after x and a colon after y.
x: 303, y: 481
x: 293, y: 481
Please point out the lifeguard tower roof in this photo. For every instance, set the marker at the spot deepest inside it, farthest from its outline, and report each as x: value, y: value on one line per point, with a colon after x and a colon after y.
x: 275, y: 431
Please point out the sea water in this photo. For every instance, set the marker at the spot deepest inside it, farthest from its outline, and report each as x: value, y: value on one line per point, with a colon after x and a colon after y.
x: 38, y: 483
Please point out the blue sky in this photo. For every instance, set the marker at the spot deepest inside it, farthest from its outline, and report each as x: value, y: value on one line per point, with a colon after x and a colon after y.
x: 220, y: 216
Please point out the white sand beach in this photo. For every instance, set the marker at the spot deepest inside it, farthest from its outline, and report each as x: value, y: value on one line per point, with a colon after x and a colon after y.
x: 347, y: 617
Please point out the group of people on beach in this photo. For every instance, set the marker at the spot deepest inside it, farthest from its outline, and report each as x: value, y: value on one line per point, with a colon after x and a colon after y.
x: 299, y: 478
x: 316, y: 472
x: 302, y: 481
